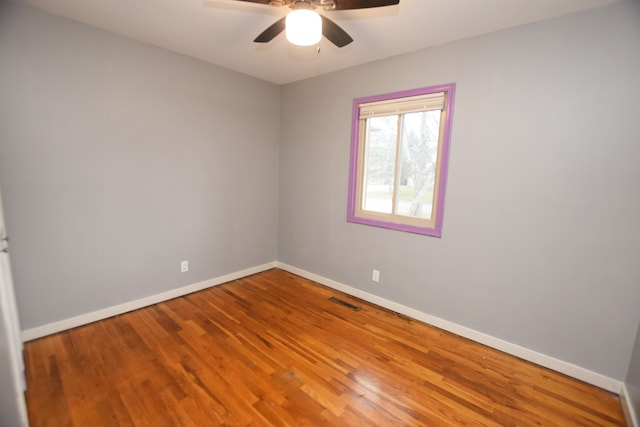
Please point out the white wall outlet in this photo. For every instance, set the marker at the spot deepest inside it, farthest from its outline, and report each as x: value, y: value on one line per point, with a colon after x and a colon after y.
x: 375, y: 276
x: 184, y: 266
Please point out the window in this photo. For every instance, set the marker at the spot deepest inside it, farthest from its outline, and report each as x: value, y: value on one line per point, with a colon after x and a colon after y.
x: 399, y: 153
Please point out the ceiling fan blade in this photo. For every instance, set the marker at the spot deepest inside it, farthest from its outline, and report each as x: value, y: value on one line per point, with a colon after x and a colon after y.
x: 334, y: 33
x: 363, y: 4
x: 271, y: 32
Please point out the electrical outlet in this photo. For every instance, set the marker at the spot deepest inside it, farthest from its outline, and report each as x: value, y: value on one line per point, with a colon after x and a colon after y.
x: 375, y: 276
x: 184, y: 266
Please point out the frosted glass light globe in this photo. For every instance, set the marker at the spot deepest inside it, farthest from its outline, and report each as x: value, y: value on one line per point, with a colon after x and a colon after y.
x: 303, y: 27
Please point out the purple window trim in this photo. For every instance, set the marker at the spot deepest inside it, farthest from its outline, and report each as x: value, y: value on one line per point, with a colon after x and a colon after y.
x: 436, y: 231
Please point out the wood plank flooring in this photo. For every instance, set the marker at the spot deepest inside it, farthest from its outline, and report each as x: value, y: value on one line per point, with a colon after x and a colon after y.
x: 272, y: 350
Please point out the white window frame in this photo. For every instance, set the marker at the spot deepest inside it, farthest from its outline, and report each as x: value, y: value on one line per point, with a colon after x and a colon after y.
x: 431, y: 98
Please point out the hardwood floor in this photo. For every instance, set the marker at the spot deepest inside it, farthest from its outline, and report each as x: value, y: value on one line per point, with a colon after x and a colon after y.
x: 272, y: 350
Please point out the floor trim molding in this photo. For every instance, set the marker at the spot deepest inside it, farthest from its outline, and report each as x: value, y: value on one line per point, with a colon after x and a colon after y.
x: 557, y: 365
x: 561, y: 366
x: 627, y: 408
x: 94, y: 316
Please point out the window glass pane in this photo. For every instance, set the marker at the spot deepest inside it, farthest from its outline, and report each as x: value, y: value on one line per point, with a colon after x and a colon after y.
x: 417, y: 165
x: 380, y: 160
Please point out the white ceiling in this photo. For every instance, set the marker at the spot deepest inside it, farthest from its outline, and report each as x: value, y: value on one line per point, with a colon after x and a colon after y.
x: 222, y: 31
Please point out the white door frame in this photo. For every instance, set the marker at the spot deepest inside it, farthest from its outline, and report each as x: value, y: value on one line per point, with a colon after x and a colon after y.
x: 10, y: 333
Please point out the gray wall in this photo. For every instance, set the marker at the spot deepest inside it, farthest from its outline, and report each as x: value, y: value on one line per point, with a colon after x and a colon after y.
x: 633, y: 378
x: 118, y: 160
x: 540, y: 242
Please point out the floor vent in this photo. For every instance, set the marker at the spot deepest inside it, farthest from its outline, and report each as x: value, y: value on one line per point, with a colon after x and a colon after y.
x: 346, y: 304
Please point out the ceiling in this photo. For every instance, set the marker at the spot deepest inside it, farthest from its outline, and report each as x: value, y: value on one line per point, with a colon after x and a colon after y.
x: 221, y: 32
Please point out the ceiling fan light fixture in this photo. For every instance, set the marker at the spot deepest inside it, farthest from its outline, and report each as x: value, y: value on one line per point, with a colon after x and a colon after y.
x: 303, y: 27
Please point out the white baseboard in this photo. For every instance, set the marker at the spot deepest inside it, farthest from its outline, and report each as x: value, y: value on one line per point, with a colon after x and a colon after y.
x: 566, y: 368
x: 83, y: 319
x: 627, y: 408
x: 552, y: 363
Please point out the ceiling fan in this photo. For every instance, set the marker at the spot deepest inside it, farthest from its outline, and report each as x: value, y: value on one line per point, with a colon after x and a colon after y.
x: 306, y: 27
